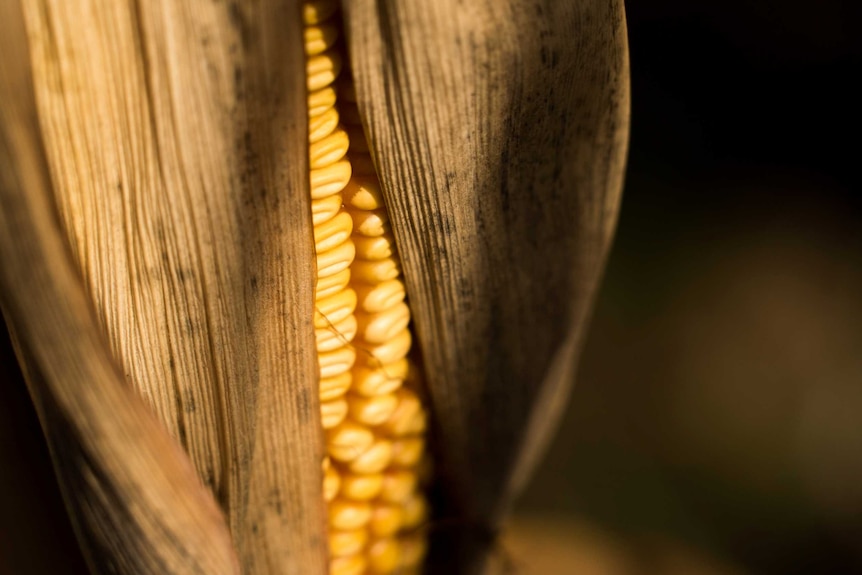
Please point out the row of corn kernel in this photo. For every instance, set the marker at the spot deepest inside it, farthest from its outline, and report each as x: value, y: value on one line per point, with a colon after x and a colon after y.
x: 375, y: 430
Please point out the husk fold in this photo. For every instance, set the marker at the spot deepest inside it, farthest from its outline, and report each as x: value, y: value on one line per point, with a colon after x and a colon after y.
x: 499, y: 129
x: 157, y: 254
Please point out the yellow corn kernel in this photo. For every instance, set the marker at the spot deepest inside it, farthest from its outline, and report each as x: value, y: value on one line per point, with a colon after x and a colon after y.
x: 335, y: 260
x: 333, y: 412
x: 328, y: 150
x: 332, y: 284
x: 319, y: 39
x: 369, y: 223
x: 414, y: 512
x: 372, y: 249
x: 329, y: 180
x: 381, y: 327
x: 371, y: 411
x: 393, y: 350
x: 325, y: 209
x: 398, y: 486
x: 334, y: 387
x: 333, y: 233
x: 331, y: 481
x: 334, y: 308
x: 413, y: 549
x: 322, y: 125
x: 380, y: 297
x: 371, y: 377
x: 385, y: 520
x: 363, y: 193
x: 346, y: 515
x: 336, y: 362
x: 320, y: 101
x: 353, y: 565
x: 317, y: 11
x: 374, y: 459
x: 346, y: 543
x: 336, y: 335
x: 402, y: 420
x: 348, y: 441
x: 406, y: 452
x: 322, y: 70
x: 361, y: 487
x: 384, y: 556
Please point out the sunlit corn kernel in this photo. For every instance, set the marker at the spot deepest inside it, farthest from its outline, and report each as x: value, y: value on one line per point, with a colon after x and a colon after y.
x: 329, y: 180
x: 346, y: 543
x: 320, y: 101
x: 407, y: 451
x: 380, y: 297
x: 417, y: 424
x: 322, y: 70
x: 322, y: 125
x: 331, y: 482
x: 371, y: 223
x: 335, y: 260
x: 409, y: 407
x: 333, y: 412
x: 325, y: 209
x: 348, y: 441
x: 374, y: 459
x: 362, y: 163
x: 374, y: 378
x: 334, y: 308
x: 371, y: 410
x: 334, y: 387
x: 372, y: 249
x: 328, y: 150
x: 363, y: 193
x: 384, y: 556
x: 414, y: 512
x: 335, y: 335
x: 413, y: 549
x: 332, y: 284
x: 336, y: 362
x: 361, y: 486
x: 374, y: 272
x: 385, y: 520
x: 352, y: 565
x: 333, y: 233
x: 357, y: 137
x: 391, y: 351
x: 317, y: 11
x: 319, y: 39
x: 381, y: 327
x: 348, y: 515
x: 398, y: 486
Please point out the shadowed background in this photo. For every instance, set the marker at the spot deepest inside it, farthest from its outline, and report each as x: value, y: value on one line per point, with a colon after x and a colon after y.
x: 716, y: 425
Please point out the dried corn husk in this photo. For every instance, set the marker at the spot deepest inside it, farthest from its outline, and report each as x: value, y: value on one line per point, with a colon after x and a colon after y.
x: 155, y: 236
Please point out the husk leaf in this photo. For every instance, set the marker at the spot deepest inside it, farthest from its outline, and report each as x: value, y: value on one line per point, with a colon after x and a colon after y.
x: 172, y: 148
x: 499, y: 129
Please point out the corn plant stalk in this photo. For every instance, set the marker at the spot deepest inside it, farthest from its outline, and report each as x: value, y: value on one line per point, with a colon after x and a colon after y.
x: 160, y: 150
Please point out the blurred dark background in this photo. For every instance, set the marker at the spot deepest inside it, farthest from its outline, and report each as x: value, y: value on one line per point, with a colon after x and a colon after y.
x: 719, y: 404
x: 716, y: 426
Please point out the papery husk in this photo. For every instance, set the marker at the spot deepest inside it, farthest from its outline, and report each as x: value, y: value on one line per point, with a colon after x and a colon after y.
x: 156, y: 184
x: 499, y: 130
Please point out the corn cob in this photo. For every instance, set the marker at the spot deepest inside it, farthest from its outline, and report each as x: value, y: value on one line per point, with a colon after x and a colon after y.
x: 374, y: 424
